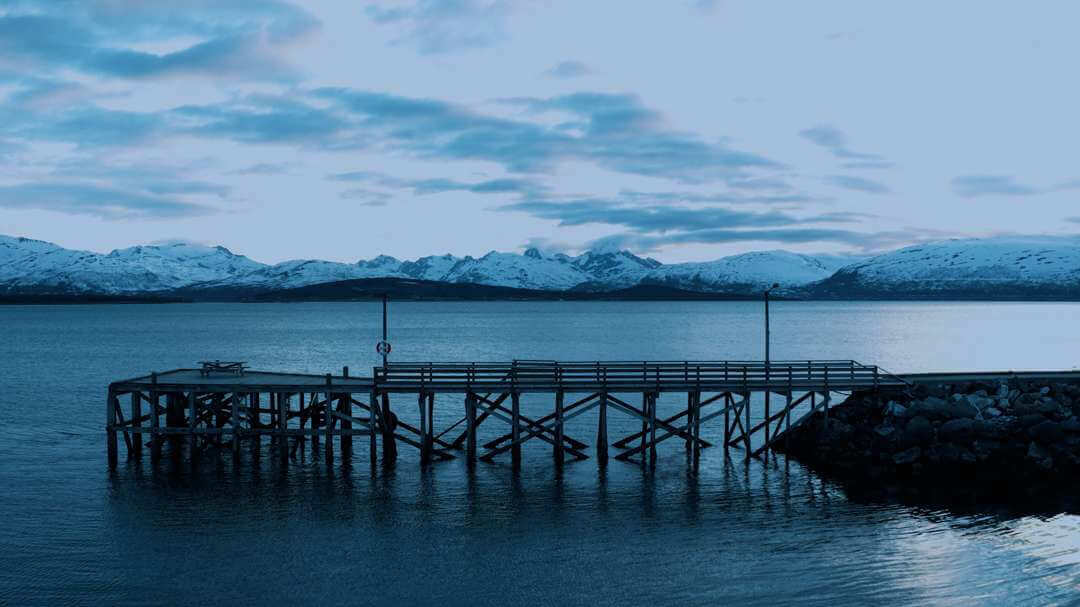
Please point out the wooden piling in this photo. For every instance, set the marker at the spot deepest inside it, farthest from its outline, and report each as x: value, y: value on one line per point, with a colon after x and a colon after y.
x: 155, y: 444
x: 345, y: 406
x: 515, y: 429
x: 429, y: 438
x: 328, y: 423
x: 389, y: 444
x: 136, y: 424
x: 470, y: 428
x: 421, y: 401
x: 192, y: 417
x: 110, y: 431
x: 601, y: 431
x: 283, y: 427
x: 557, y: 450
x: 235, y: 419
x: 652, y: 428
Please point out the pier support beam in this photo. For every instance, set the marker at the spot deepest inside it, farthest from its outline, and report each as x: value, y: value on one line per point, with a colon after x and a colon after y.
x: 557, y: 450
x: 110, y: 431
x: 515, y: 429
x: 601, y: 432
x: 345, y: 407
x: 389, y: 422
x: 155, y: 444
x: 283, y: 427
x: 192, y: 418
x: 652, y: 429
x: 136, y: 424
x: 470, y: 428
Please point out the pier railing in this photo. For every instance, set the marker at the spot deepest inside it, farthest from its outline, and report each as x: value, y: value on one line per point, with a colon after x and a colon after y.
x: 539, y: 375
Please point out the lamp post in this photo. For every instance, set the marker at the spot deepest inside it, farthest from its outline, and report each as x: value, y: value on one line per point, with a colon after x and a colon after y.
x: 774, y: 286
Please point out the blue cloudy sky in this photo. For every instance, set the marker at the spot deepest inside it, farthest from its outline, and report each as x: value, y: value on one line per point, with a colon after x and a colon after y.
x: 684, y: 129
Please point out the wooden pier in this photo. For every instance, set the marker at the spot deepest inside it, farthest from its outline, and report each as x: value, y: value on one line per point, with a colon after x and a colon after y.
x: 199, y: 409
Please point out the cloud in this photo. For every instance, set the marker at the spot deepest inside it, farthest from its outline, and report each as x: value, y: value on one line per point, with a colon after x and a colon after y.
x: 97, y: 201
x: 439, y: 185
x: 617, y: 133
x: 264, y: 168
x: 859, y: 184
x: 658, y: 218
x: 867, y: 241
x: 442, y: 26
x: 835, y: 141
x: 87, y: 126
x: 260, y: 119
x: 235, y: 39
x: 1073, y: 219
x: 366, y: 198
x: 971, y: 186
x: 568, y: 69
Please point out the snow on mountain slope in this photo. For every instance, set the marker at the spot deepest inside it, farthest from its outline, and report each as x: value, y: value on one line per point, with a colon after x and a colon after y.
x: 745, y: 272
x: 613, y: 269
x: 184, y: 263
x: 304, y: 272
x: 530, y: 271
x: 43, y: 267
x: 969, y: 264
x: 431, y: 267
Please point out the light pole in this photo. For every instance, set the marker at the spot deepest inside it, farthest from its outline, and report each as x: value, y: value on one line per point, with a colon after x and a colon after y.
x: 774, y: 286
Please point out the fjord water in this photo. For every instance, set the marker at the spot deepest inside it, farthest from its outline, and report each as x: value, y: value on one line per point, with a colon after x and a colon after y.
x: 248, y: 532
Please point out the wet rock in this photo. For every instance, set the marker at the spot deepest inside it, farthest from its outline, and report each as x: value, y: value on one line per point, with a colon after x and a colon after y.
x: 908, y: 456
x: 894, y: 409
x: 919, y: 430
x: 1047, y: 432
x: 1040, y: 456
x: 885, y: 429
x: 956, y: 430
x: 991, y: 412
x: 1071, y: 425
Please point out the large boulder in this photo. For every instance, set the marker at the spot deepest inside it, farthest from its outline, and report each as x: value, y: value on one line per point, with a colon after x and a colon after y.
x: 918, y: 431
x: 908, y: 456
x: 956, y: 430
x: 1040, y: 456
x: 1047, y: 432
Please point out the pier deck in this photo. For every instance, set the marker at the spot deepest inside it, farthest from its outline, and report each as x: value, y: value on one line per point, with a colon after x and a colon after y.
x: 198, y: 409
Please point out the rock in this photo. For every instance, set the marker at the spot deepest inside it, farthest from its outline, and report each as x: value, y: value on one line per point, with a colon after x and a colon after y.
x: 1003, y: 390
x: 894, y: 409
x: 991, y: 412
x: 909, y: 456
x: 919, y: 430
x: 1071, y: 425
x: 963, y: 408
x: 1044, y: 390
x: 1030, y: 419
x: 1040, y: 407
x: 1047, y: 432
x: 1039, y: 456
x: 885, y: 429
x: 984, y: 449
x: 956, y: 430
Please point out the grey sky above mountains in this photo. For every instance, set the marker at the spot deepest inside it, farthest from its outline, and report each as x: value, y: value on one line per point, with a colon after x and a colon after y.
x: 684, y: 130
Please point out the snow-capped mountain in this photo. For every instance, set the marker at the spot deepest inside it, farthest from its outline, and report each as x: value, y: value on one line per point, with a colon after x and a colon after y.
x: 994, y: 268
x: 614, y: 269
x: 1003, y: 267
x: 303, y: 272
x: 748, y: 272
x: 36, y: 266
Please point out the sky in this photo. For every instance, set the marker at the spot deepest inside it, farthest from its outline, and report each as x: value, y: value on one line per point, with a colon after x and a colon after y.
x: 686, y: 130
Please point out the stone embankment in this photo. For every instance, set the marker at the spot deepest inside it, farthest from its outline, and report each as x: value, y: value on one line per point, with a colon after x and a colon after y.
x: 1007, y: 433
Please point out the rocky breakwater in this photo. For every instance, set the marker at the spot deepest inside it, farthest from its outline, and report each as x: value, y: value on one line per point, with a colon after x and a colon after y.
x: 1006, y: 434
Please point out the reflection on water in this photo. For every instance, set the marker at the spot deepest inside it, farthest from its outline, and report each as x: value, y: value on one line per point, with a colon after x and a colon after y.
x: 249, y: 531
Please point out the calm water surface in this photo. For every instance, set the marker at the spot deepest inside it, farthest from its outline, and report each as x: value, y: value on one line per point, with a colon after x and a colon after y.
x: 248, y: 532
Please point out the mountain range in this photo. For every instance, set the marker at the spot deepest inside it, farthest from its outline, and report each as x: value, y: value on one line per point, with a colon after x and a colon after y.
x: 992, y: 268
